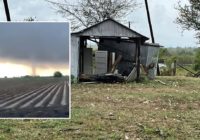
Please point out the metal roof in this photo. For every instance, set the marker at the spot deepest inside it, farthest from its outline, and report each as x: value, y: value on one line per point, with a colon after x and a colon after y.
x: 110, y: 27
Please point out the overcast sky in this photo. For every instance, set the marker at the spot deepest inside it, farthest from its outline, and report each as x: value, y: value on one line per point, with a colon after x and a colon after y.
x: 38, y: 42
x: 43, y: 45
x: 163, y: 15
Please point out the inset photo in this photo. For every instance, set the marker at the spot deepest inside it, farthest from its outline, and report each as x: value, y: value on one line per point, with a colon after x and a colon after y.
x: 34, y: 70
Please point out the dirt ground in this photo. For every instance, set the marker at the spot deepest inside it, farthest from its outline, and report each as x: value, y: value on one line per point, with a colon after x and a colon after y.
x: 33, y: 97
x: 148, y: 110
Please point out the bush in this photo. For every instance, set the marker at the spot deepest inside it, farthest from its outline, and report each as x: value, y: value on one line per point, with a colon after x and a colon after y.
x: 73, y: 79
x: 57, y: 74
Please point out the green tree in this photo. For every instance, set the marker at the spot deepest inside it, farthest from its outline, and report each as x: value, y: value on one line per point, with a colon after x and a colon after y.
x: 57, y: 74
x: 189, y: 16
x: 163, y: 53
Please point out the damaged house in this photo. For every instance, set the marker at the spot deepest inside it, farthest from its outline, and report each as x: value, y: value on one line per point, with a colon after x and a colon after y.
x: 120, y: 51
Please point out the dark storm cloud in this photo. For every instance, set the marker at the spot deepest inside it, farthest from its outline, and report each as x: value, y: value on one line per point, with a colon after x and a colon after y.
x: 35, y: 42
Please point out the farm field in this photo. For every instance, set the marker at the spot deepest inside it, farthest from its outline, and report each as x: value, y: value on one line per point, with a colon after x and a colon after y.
x: 34, y: 97
x: 148, y: 110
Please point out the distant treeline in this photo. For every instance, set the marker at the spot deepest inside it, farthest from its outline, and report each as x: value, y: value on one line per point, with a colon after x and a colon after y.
x: 181, y: 55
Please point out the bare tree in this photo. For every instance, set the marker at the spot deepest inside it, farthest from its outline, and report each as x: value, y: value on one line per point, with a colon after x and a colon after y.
x: 89, y: 12
x: 189, y: 16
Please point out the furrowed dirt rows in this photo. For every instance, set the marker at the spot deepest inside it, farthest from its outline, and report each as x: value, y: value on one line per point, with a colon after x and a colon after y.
x: 51, y: 100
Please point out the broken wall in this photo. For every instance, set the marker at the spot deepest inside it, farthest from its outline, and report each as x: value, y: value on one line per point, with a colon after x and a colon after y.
x: 127, y: 50
x: 148, y: 55
x: 152, y: 57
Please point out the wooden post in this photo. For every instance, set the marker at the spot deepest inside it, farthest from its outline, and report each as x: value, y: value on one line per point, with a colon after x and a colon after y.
x: 138, y: 44
x: 119, y: 58
x: 81, y: 55
x: 151, y: 30
x: 158, y: 70
x: 129, y: 24
x: 6, y: 10
x: 109, y: 61
x: 174, y: 69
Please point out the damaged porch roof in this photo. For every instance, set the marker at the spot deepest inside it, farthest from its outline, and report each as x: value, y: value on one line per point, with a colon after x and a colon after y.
x: 110, y: 28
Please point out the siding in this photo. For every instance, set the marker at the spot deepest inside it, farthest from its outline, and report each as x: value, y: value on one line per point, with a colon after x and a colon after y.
x: 152, y: 57
x: 101, y: 62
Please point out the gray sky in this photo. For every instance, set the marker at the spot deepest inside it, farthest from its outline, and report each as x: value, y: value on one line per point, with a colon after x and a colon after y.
x: 163, y: 15
x: 41, y: 43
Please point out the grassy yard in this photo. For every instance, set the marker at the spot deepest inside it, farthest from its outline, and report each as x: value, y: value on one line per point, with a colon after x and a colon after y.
x: 148, y: 110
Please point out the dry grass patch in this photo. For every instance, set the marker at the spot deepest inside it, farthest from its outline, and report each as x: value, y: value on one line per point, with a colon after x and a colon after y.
x: 147, y: 110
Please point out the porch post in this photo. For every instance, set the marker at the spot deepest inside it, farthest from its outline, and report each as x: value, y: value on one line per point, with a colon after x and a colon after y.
x: 138, y: 45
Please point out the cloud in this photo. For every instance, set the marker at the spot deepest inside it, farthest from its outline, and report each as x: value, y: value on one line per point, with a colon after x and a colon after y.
x: 22, y: 9
x: 163, y: 15
x: 38, y: 43
x: 166, y: 31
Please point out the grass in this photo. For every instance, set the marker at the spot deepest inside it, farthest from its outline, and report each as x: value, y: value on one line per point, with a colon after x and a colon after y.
x: 147, y: 110
x: 181, y: 72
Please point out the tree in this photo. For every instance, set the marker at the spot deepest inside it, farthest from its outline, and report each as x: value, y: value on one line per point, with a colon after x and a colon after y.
x: 189, y: 16
x: 57, y: 74
x: 89, y: 12
x: 164, y: 53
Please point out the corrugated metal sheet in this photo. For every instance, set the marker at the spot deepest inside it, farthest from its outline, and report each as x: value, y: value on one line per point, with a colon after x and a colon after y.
x: 110, y: 27
x: 101, y: 62
x: 152, y: 57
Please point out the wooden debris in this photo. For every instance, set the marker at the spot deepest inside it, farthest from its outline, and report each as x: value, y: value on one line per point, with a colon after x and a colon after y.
x: 186, y: 69
x: 144, y: 69
x: 103, y: 78
x: 197, y: 74
x: 160, y: 82
x: 86, y: 78
x: 132, y: 76
x: 119, y: 58
x: 89, y: 82
x: 110, y: 78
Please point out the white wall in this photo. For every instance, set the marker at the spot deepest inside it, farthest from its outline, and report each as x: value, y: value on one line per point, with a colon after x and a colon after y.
x: 74, y: 55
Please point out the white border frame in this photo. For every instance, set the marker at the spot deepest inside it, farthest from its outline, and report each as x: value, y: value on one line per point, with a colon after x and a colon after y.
x: 60, y: 118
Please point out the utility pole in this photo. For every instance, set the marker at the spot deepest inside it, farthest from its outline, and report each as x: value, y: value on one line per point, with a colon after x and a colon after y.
x: 151, y: 30
x: 149, y: 20
x: 129, y: 24
x: 6, y: 10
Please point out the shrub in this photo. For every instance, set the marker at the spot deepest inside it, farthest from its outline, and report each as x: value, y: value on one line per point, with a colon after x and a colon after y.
x: 73, y: 79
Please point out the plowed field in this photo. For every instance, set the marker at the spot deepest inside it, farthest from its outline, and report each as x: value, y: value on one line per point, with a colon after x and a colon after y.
x: 34, y: 97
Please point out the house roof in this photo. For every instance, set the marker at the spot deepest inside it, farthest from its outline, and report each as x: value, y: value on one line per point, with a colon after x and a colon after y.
x: 110, y: 27
x: 153, y: 45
